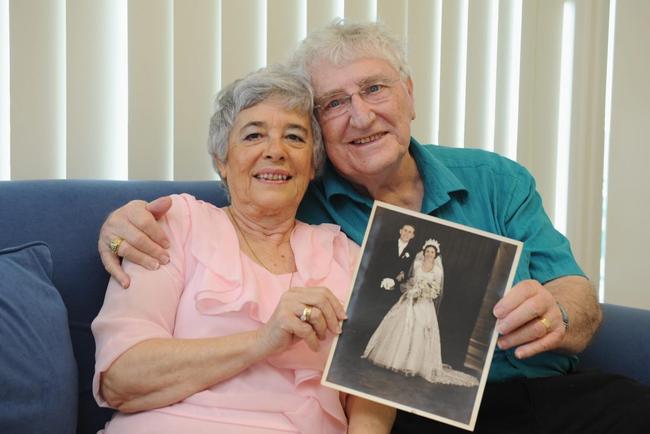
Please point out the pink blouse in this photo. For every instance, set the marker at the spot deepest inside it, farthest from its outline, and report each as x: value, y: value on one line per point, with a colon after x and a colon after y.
x: 211, y: 289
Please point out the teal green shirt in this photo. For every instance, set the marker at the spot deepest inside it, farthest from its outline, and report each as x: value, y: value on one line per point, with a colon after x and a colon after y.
x: 475, y: 188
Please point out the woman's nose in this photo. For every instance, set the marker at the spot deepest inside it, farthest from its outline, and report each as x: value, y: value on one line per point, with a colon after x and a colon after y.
x: 274, y: 148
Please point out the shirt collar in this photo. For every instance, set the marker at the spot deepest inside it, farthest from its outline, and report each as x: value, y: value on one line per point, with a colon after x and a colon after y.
x: 334, y: 184
x: 439, y: 182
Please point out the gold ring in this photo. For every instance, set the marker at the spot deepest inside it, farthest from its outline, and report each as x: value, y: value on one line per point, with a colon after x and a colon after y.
x: 114, y: 245
x: 306, y: 314
x: 546, y: 322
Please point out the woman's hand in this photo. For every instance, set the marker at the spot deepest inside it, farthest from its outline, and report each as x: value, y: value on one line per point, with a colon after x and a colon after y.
x: 285, y: 327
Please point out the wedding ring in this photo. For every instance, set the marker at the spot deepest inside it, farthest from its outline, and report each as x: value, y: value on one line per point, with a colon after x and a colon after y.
x: 546, y: 322
x: 306, y: 314
x: 114, y: 245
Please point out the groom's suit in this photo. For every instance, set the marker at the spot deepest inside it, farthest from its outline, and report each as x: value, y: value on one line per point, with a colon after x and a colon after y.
x: 390, y: 262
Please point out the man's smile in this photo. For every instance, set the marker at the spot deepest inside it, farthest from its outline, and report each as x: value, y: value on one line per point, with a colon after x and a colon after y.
x: 368, y: 139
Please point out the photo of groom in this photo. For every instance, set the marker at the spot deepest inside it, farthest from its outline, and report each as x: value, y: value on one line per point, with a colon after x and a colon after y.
x: 396, y: 258
x: 387, y: 266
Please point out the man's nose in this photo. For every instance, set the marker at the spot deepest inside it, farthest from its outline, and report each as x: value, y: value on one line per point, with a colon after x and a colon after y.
x: 361, y: 113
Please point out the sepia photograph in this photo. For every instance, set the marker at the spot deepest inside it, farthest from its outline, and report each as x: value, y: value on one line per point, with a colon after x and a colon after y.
x: 420, y: 331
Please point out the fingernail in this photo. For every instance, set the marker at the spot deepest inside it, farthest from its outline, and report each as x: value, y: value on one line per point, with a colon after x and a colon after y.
x: 498, y: 311
x: 153, y: 266
x: 164, y: 259
x: 502, y: 327
x: 166, y: 244
x: 125, y: 284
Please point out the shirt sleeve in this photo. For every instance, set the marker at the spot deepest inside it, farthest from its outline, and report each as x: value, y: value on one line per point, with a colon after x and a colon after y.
x: 547, y: 253
x: 147, y: 309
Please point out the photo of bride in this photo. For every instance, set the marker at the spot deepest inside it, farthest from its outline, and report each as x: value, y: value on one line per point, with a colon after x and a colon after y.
x: 408, y: 338
x: 420, y: 332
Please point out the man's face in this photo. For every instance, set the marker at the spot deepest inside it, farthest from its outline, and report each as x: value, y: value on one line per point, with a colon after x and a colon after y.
x: 407, y: 233
x: 370, y: 139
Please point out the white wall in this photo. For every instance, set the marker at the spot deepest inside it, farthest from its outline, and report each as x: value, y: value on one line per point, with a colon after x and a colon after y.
x: 627, y: 270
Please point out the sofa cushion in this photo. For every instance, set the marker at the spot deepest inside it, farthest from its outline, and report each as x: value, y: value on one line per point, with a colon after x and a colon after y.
x: 70, y: 213
x: 38, y: 373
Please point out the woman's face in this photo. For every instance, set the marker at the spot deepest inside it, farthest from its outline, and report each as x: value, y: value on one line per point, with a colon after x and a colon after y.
x: 430, y: 253
x: 270, y: 157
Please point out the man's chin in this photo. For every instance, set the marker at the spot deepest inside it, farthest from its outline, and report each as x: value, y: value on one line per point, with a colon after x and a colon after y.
x: 377, y: 168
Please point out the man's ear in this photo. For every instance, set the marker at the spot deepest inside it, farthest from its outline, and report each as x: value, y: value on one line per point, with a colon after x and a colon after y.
x: 409, y: 91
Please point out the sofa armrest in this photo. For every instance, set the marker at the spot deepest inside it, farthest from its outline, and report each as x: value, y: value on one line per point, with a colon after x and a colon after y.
x: 622, y: 345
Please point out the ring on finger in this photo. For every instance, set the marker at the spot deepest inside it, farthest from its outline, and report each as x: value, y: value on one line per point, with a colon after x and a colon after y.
x: 546, y: 323
x: 114, y: 245
x: 306, y: 314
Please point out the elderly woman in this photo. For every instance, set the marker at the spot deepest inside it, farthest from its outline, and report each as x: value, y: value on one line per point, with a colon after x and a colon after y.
x: 232, y: 334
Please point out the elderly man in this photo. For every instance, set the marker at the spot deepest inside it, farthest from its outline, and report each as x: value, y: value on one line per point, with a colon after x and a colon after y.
x: 364, y: 101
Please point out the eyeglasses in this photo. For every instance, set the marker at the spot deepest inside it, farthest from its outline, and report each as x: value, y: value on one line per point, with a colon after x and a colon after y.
x: 337, y: 104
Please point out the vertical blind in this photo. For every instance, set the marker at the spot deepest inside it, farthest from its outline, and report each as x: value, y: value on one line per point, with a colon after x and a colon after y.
x: 118, y: 89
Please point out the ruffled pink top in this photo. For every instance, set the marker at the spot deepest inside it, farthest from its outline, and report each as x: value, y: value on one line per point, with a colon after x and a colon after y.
x: 211, y: 289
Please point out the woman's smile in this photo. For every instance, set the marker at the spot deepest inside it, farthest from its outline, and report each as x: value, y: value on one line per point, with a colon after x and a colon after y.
x: 273, y: 176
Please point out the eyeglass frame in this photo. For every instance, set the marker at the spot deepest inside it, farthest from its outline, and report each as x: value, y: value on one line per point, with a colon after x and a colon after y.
x: 346, y: 98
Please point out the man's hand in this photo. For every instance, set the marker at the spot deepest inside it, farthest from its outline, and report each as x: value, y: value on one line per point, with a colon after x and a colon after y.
x: 530, y: 319
x: 144, y: 241
x: 367, y: 417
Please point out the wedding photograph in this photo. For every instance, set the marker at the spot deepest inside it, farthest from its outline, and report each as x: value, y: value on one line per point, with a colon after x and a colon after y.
x: 420, y: 331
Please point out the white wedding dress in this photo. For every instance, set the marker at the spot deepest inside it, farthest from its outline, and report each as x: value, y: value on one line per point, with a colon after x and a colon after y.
x: 408, y: 338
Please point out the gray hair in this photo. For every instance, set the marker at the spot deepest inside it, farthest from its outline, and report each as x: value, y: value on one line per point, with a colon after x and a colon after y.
x: 276, y: 81
x: 341, y: 42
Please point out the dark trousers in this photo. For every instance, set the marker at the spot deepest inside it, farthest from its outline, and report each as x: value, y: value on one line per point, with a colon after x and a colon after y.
x: 582, y: 402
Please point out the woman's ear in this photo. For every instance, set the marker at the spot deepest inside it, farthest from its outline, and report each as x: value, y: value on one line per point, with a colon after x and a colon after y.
x: 221, y: 168
x: 312, y: 175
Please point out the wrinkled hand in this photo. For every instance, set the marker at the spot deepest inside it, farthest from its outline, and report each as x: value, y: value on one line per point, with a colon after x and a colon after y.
x: 387, y: 284
x: 144, y: 241
x: 519, y: 320
x: 285, y: 328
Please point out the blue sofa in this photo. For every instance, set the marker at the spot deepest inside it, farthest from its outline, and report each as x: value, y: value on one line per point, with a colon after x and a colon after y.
x: 67, y: 214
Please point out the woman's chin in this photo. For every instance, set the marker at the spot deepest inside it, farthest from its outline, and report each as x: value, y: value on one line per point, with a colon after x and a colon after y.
x: 274, y: 203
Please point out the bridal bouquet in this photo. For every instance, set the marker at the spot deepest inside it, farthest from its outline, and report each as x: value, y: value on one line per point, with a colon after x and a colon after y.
x: 428, y: 288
